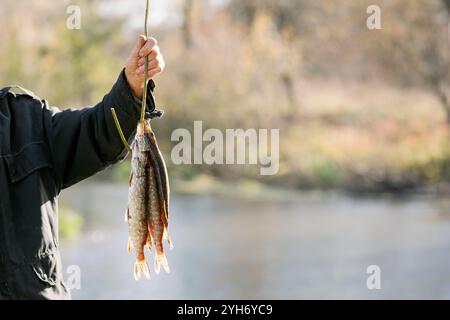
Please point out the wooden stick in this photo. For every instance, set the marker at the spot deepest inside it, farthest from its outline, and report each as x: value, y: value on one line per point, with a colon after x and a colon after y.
x: 144, y: 94
x: 119, y: 129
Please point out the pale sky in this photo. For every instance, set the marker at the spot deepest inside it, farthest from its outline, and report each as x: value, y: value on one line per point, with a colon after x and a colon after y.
x: 162, y: 12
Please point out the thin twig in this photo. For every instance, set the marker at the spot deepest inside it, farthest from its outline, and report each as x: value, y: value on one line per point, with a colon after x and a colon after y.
x: 144, y: 94
x: 119, y: 129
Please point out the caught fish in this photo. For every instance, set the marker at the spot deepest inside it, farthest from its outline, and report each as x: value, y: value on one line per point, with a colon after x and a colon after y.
x: 148, y: 196
x: 158, y: 219
x: 148, y: 202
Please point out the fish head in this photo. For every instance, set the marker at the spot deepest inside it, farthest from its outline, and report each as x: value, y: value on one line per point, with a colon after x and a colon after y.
x: 142, y: 139
x: 145, y: 137
x: 151, y: 137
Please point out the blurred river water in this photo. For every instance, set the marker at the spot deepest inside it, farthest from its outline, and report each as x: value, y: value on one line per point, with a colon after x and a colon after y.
x: 307, y: 246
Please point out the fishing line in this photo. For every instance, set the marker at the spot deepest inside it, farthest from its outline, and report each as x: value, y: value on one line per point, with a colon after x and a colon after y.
x: 144, y: 93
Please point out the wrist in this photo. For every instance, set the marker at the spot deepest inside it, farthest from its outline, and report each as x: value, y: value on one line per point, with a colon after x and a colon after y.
x: 137, y: 93
x: 135, y: 90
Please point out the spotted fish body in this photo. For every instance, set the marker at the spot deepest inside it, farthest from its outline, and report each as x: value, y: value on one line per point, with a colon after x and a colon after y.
x: 156, y: 225
x: 137, y: 209
x: 162, y: 180
x: 147, y: 213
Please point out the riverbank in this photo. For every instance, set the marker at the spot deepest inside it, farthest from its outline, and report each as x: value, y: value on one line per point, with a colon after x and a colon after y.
x: 340, y: 138
x: 254, y: 190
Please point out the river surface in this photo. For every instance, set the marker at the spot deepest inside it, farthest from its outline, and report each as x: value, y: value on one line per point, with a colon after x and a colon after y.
x: 304, y: 246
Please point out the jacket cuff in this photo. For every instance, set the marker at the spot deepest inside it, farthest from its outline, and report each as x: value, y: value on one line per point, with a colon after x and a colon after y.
x: 128, y: 109
x: 122, y: 95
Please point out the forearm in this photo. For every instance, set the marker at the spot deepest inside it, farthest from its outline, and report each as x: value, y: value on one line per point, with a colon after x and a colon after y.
x: 85, y: 141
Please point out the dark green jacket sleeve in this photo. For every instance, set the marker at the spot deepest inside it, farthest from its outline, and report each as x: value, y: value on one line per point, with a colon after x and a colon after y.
x: 85, y: 141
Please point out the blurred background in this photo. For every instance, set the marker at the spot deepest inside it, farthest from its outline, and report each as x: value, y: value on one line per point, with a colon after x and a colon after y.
x: 364, y: 120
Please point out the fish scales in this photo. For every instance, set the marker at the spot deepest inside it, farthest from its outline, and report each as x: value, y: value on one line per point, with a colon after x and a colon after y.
x: 137, y: 210
x: 147, y: 213
x: 163, y: 181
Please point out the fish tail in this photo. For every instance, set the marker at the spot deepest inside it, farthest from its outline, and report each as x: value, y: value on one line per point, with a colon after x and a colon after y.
x: 167, y: 238
x: 130, y: 245
x: 161, y: 261
x: 141, y: 267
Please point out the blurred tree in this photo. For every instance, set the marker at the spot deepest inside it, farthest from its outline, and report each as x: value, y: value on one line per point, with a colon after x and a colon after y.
x: 64, y: 66
x: 287, y: 17
x: 447, y: 3
x: 286, y: 14
x: 12, y: 71
x: 414, y: 48
x: 92, y: 56
x: 188, y: 21
x: 21, y: 38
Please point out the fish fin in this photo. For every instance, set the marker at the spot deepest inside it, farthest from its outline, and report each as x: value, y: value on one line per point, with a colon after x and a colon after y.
x: 127, y: 215
x: 130, y: 245
x: 167, y: 237
x: 165, y: 223
x: 161, y: 261
x: 141, y: 267
x: 166, y: 212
